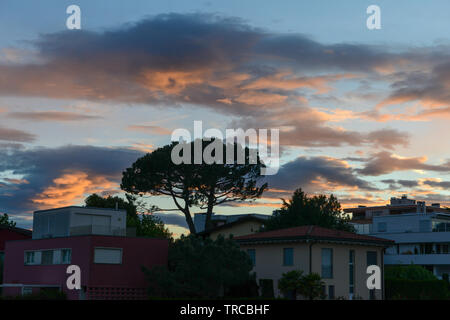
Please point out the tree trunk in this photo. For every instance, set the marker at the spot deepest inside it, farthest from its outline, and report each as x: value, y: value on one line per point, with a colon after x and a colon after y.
x: 189, y: 221
x: 209, y: 212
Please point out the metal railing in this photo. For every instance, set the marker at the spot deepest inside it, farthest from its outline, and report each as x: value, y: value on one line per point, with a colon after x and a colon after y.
x: 97, y: 230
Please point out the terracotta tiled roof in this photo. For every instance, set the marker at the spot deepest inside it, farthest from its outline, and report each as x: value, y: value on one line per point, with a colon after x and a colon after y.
x: 312, y: 232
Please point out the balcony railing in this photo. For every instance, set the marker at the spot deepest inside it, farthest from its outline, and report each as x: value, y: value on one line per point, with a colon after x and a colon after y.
x: 97, y: 230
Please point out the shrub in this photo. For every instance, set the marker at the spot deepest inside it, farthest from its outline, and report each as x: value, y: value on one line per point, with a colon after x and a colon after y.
x: 403, y: 289
x: 411, y: 272
x: 266, y: 286
x: 201, y: 268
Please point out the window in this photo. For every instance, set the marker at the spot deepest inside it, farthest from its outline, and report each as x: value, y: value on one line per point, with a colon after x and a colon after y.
x: 331, y: 292
x: 252, y: 254
x: 351, y: 271
x: 371, y: 258
x: 382, y: 226
x: 66, y: 256
x: 377, y: 213
x: 27, y: 291
x: 29, y: 257
x: 288, y: 257
x: 108, y: 255
x: 426, y: 248
x: 47, y: 257
x: 327, y: 263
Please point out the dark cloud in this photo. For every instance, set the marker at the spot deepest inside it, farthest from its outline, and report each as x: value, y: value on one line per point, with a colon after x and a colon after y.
x: 303, y: 171
x: 384, y: 163
x: 51, y: 116
x: 15, y: 135
x: 388, y: 138
x: 397, y: 184
x: 205, y: 59
x: 41, y: 166
x: 431, y: 88
x: 437, y: 184
x: 217, y: 62
x: 307, y: 128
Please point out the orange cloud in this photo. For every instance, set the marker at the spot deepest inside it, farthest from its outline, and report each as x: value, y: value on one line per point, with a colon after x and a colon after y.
x: 70, y: 189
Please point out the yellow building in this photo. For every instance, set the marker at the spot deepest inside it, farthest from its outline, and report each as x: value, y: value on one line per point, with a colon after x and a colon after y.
x: 340, y: 258
x: 245, y: 225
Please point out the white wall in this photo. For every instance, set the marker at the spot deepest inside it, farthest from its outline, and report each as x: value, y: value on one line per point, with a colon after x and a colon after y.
x: 68, y: 221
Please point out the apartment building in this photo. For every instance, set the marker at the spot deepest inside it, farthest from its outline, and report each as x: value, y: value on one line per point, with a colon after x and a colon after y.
x: 362, y: 215
x: 421, y: 233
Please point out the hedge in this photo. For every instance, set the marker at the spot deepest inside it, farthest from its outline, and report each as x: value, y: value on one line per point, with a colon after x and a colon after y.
x: 402, y: 289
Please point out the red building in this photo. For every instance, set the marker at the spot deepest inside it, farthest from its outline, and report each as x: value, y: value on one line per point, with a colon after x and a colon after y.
x: 111, y: 265
x: 11, y: 233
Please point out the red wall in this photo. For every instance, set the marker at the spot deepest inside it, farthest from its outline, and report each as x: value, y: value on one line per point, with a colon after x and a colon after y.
x: 136, y: 252
x: 6, y: 235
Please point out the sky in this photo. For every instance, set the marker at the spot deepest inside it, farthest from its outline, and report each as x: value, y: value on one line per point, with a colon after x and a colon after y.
x: 363, y: 114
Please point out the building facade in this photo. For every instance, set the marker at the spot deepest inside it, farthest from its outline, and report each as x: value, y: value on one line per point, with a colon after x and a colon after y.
x: 421, y: 233
x: 340, y: 258
x: 421, y: 239
x: 243, y: 226
x: 8, y: 233
x: 219, y: 220
x: 110, y: 262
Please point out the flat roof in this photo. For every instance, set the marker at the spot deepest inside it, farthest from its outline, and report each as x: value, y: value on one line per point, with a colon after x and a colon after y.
x: 413, y: 206
x: 79, y: 207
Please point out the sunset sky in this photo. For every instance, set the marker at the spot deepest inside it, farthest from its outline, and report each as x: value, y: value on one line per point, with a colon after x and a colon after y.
x: 363, y: 114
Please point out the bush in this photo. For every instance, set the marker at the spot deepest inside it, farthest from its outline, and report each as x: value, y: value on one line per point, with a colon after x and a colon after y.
x: 248, y: 289
x: 294, y: 282
x: 266, y: 286
x: 403, y: 289
x: 201, y: 268
x: 411, y: 272
x: 41, y: 295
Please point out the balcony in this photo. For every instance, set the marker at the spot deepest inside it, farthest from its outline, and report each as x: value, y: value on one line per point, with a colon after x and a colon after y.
x: 421, y: 259
x: 97, y: 230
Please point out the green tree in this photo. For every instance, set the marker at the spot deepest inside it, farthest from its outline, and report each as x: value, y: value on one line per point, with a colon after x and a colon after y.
x: 200, y: 185
x: 293, y: 283
x: 311, y: 286
x: 303, y: 210
x: 200, y: 268
x: 290, y: 282
x: 5, y: 220
x: 139, y: 215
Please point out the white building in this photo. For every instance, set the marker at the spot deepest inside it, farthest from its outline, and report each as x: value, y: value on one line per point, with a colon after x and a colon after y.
x: 72, y: 221
x: 421, y: 233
